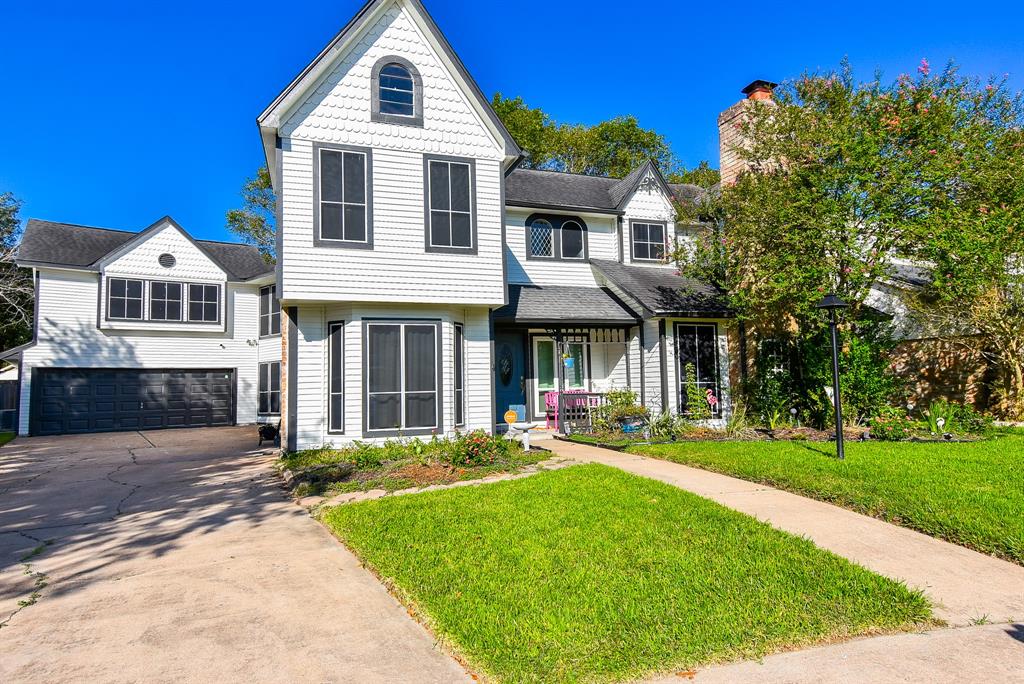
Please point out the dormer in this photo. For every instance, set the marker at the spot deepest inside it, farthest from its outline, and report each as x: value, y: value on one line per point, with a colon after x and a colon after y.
x: 388, y: 163
x: 162, y: 279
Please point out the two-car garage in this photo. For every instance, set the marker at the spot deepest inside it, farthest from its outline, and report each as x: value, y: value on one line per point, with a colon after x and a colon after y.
x: 80, y: 400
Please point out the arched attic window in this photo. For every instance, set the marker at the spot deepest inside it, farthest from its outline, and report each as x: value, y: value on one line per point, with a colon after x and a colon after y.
x: 397, y: 92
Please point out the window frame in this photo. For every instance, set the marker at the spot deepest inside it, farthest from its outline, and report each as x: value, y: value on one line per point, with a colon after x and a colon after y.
x: 268, y: 389
x: 182, y: 318
x: 270, y: 315
x: 319, y: 241
x: 417, y: 89
x: 459, y: 373
x: 335, y: 354
x: 664, y: 240
x: 718, y: 411
x: 427, y: 218
x: 438, y: 427
x: 188, y: 303
x: 556, y: 221
x: 126, y: 298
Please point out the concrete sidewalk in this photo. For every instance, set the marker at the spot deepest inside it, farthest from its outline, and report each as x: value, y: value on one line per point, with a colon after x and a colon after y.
x: 964, y: 585
x: 990, y: 653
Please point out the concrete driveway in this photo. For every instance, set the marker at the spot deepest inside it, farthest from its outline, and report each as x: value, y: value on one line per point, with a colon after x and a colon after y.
x: 174, y: 556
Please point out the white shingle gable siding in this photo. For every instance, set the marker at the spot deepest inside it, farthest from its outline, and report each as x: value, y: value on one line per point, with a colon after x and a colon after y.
x: 398, y: 268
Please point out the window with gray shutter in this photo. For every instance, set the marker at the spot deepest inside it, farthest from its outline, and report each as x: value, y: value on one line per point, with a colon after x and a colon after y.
x: 270, y: 311
x: 165, y: 301
x: 648, y: 242
x: 402, y: 378
x: 343, y: 196
x: 269, y: 390
x: 450, y: 214
x: 203, y: 303
x: 460, y: 372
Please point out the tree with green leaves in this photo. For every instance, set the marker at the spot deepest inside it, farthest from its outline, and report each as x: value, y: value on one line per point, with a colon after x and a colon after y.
x: 846, y: 178
x: 256, y: 222
x: 16, y: 289
x: 701, y: 175
x: 610, y: 148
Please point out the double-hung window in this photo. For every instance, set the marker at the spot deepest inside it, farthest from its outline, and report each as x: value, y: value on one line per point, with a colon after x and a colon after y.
x: 460, y: 375
x: 343, y: 183
x: 648, y: 241
x: 269, y: 391
x: 270, y: 311
x: 697, y: 353
x: 203, y: 303
x: 402, y: 377
x: 450, y: 214
x: 572, y: 240
x: 165, y: 301
x: 124, y: 299
x: 336, y: 377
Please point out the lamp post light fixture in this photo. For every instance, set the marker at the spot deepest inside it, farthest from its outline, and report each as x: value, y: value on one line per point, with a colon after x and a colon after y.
x: 832, y: 304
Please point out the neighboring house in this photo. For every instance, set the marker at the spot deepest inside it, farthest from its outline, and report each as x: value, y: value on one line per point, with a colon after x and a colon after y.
x: 426, y: 284
x: 145, y: 330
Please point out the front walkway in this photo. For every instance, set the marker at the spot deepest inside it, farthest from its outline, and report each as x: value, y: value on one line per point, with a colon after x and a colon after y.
x: 175, y: 557
x: 965, y: 586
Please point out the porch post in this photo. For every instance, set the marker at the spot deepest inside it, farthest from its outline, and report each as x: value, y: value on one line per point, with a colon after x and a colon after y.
x: 560, y: 365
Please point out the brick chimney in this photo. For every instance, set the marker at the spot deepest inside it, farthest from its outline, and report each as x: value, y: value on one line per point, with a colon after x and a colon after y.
x: 729, y: 136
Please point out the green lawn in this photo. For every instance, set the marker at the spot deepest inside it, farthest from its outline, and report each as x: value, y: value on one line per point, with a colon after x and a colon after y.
x: 970, y: 494
x: 6, y: 437
x: 590, y: 573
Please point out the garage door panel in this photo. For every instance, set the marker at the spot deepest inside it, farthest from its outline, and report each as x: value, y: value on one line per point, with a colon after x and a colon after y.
x: 67, y: 400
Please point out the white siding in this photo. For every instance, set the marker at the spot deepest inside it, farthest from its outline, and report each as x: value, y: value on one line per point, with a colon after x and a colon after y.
x: 397, y: 269
x: 68, y: 337
x: 601, y: 244
x: 312, y: 427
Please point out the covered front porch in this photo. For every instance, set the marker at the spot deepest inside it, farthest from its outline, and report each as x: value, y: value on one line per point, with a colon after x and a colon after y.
x: 559, y: 350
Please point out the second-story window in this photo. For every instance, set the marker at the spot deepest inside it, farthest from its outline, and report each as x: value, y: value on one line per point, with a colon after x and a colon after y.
x: 343, y: 194
x: 557, y: 237
x: 203, y: 303
x: 124, y: 299
x: 396, y: 92
x: 648, y: 241
x: 270, y: 311
x: 164, y: 301
x: 449, y: 199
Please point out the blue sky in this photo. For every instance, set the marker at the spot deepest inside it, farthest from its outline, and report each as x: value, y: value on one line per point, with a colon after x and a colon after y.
x: 115, y: 114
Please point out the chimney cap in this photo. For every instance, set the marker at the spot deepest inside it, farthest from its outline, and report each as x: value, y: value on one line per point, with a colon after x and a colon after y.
x: 759, y: 84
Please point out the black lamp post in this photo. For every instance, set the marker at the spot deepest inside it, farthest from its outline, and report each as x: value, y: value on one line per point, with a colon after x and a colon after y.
x: 832, y: 304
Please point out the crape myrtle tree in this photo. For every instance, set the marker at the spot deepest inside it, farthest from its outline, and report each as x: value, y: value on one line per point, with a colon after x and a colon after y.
x: 845, y: 178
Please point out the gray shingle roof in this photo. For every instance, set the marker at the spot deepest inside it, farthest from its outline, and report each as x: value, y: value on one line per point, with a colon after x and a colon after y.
x: 564, y: 304
x: 662, y: 291
x: 535, y: 188
x: 74, y: 246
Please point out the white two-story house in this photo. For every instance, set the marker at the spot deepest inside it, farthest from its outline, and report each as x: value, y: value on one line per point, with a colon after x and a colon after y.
x: 425, y: 284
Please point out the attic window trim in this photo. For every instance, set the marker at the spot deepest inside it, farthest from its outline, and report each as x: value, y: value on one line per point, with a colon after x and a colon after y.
x: 376, y: 115
x: 556, y: 221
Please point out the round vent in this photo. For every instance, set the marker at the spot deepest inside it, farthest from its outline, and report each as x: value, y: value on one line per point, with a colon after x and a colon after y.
x: 167, y: 260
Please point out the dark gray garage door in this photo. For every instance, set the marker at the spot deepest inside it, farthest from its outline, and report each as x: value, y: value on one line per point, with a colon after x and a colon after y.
x: 76, y: 400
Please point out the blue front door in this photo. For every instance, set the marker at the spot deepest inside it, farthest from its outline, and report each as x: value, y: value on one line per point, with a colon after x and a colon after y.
x: 509, y: 372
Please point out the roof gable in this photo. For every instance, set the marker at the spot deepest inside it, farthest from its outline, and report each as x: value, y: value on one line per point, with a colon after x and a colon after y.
x: 141, y: 255
x: 276, y: 115
x: 65, y: 245
x: 646, y: 176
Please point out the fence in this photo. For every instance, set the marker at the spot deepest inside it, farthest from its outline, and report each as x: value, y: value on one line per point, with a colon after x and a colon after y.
x: 8, y: 405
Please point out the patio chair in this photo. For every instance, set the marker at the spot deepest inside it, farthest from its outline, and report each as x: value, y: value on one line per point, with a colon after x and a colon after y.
x: 551, y: 408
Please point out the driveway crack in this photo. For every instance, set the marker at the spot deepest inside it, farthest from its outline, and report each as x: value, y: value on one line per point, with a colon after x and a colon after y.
x: 40, y: 579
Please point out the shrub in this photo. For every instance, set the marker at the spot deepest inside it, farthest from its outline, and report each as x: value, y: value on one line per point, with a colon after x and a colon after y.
x: 666, y: 426
x: 891, y: 426
x: 476, y: 448
x: 697, y: 407
x: 968, y: 420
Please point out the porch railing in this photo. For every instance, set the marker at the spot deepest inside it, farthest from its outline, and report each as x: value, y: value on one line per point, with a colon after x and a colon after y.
x: 575, y: 412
